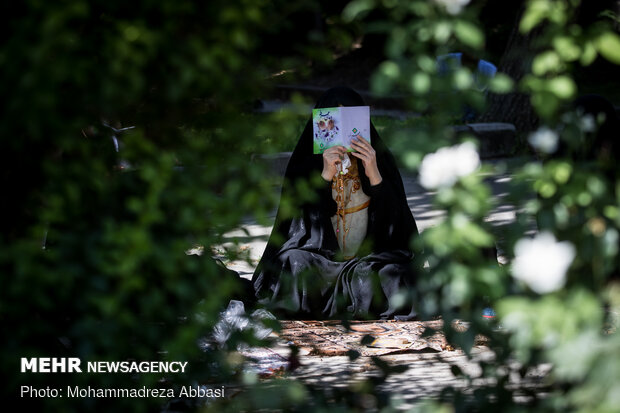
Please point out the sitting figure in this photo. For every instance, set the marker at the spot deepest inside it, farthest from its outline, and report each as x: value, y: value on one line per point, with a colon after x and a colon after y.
x: 347, y: 249
x: 482, y: 72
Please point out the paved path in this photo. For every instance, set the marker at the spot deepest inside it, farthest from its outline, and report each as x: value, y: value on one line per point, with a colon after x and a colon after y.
x: 427, y: 373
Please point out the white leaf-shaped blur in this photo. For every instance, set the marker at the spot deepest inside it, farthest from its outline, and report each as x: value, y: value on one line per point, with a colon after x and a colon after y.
x: 544, y: 140
x: 453, y: 6
x: 541, y: 262
x: 444, y: 167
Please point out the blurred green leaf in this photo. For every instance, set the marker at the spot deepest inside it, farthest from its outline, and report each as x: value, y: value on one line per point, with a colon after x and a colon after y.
x: 589, y: 54
x: 442, y: 31
x: 567, y: 48
x: 469, y: 34
x: 546, y: 62
x: 420, y: 83
x: 501, y: 83
x: 562, y: 86
x: 356, y: 8
x: 462, y: 79
x: 574, y: 358
x: 384, y: 79
x: 608, y: 45
x: 545, y: 103
x: 535, y: 13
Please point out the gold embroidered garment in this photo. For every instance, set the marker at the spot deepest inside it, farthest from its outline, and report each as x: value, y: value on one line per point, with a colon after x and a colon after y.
x: 351, y: 220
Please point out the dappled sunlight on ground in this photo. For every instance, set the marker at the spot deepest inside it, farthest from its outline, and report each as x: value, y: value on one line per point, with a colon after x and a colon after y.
x: 323, y: 347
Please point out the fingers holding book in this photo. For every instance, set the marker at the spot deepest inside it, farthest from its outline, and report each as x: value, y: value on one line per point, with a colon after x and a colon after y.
x: 366, y: 153
x: 332, y: 157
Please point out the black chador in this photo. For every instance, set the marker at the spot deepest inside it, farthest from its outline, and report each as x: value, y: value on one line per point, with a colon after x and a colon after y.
x: 346, y: 252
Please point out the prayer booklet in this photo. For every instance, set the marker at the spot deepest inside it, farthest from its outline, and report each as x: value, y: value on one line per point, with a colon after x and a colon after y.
x: 337, y: 126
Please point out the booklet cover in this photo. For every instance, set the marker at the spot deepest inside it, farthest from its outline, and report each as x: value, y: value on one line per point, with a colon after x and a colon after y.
x: 337, y: 126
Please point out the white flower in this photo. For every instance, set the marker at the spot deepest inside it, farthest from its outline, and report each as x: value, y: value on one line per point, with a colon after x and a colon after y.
x: 544, y: 140
x: 453, y: 6
x: 542, y: 262
x: 444, y: 167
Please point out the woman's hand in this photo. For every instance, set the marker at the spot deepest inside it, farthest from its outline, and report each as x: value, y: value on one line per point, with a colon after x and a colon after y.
x: 366, y: 153
x: 332, y: 157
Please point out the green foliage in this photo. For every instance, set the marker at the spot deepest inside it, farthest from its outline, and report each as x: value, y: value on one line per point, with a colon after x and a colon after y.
x: 113, y: 280
x: 93, y: 241
x: 571, y: 194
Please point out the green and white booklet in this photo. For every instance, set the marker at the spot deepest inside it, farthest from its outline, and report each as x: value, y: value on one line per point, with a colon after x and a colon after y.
x: 339, y: 125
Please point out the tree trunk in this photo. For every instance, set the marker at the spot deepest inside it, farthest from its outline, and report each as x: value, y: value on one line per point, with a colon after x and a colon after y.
x: 515, y: 62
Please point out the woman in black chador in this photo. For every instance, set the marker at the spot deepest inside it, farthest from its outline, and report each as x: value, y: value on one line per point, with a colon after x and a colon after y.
x: 349, y: 247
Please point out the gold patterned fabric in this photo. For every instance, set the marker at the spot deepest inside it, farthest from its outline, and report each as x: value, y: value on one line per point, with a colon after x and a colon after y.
x: 351, y: 220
